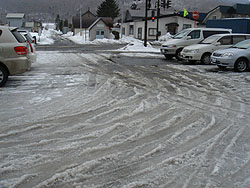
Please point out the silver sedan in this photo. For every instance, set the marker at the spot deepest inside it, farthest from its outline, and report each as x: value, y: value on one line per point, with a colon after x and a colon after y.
x: 237, y: 56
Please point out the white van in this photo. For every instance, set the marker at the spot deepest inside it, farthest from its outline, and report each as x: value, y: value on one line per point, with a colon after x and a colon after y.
x: 203, y: 50
x: 186, y: 37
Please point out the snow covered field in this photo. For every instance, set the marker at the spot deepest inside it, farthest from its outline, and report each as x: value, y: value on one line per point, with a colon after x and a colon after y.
x: 88, y: 121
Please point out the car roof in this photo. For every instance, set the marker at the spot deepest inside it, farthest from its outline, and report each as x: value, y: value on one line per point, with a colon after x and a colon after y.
x: 7, y: 27
x: 230, y: 34
x: 209, y: 29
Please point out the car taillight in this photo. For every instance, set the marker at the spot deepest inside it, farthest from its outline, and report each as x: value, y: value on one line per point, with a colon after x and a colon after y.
x: 31, y: 48
x: 21, y: 50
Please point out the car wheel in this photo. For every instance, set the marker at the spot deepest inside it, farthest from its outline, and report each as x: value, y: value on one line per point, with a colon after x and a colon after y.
x: 241, y: 65
x: 3, y: 75
x: 205, y: 59
x: 168, y: 56
x: 178, y: 54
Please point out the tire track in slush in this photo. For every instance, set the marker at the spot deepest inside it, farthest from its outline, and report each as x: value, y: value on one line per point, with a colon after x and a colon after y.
x: 132, y: 126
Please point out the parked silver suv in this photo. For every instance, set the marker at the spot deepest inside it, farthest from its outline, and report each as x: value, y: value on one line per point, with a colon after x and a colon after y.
x: 13, y: 53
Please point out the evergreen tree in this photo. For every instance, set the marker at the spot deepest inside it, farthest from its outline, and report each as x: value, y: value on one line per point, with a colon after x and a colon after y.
x: 66, y: 23
x: 57, y: 21
x: 108, y: 8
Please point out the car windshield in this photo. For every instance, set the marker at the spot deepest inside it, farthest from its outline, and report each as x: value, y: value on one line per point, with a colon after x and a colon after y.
x: 209, y: 40
x: 242, y: 45
x: 181, y: 34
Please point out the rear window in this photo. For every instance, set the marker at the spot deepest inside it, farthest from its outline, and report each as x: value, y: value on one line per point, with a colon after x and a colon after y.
x: 18, y: 36
x: 28, y: 38
x: 1, y: 32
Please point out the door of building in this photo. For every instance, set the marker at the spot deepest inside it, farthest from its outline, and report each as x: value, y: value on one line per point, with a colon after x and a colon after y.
x: 100, y: 34
x: 139, y: 33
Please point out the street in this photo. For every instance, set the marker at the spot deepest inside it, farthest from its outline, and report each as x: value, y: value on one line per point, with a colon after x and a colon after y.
x: 87, y: 117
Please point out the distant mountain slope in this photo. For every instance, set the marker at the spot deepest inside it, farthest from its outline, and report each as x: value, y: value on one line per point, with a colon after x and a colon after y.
x: 46, y: 10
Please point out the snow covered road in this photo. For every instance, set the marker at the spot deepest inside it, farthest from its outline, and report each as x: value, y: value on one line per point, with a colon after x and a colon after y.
x: 89, y: 121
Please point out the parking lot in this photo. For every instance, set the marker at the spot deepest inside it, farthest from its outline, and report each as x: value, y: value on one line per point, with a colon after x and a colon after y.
x: 125, y: 120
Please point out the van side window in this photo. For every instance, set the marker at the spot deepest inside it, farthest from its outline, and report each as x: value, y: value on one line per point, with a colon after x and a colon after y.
x: 209, y: 33
x: 195, y: 34
x: 247, y: 37
x: 238, y: 38
x: 227, y: 40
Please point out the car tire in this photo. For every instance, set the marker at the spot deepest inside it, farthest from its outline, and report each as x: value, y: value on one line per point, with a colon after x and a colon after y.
x: 3, y: 75
x: 178, y: 54
x: 205, y: 59
x: 241, y: 65
x: 168, y: 56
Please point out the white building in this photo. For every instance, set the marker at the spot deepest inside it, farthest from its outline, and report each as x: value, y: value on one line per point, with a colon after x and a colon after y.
x: 15, y: 19
x: 171, y: 23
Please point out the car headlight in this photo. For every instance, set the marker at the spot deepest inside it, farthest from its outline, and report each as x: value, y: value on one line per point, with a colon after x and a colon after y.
x: 227, y: 54
x: 194, y: 51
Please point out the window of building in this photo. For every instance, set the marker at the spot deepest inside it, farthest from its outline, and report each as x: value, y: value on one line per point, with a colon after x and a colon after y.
x: 186, y: 26
x: 152, y: 31
x: 131, y: 30
x: 123, y: 30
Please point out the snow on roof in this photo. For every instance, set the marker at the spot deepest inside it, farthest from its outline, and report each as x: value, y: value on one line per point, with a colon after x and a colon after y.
x: 15, y: 15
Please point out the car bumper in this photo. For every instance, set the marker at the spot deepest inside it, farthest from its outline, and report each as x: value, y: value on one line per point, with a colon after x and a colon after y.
x: 222, y: 61
x: 168, y: 51
x: 32, y: 57
x: 18, y: 65
x: 190, y: 56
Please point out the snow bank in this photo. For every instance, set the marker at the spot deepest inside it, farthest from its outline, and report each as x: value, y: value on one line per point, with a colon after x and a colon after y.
x: 162, y: 39
x: 138, y: 46
x: 46, y: 36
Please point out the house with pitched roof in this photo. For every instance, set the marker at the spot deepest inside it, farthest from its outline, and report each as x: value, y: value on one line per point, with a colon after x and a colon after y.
x: 235, y: 11
x: 95, y: 27
x: 15, y: 19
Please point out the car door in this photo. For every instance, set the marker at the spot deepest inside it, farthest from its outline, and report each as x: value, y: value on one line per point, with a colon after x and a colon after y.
x: 225, y: 42
x: 193, y: 37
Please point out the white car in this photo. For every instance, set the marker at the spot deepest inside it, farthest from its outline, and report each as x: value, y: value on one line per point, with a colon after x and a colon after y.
x: 203, y: 50
x: 173, y: 47
x: 14, y: 50
x: 32, y: 47
x: 237, y: 57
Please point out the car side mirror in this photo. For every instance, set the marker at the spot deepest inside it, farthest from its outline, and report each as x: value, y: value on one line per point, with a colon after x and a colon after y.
x: 217, y: 43
x: 188, y: 37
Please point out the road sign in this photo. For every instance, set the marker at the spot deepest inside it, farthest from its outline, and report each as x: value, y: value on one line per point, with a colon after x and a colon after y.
x: 195, y: 15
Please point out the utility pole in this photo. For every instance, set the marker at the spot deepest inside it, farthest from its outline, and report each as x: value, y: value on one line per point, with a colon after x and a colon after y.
x: 81, y: 19
x: 157, y: 21
x: 146, y: 23
x: 122, y: 21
